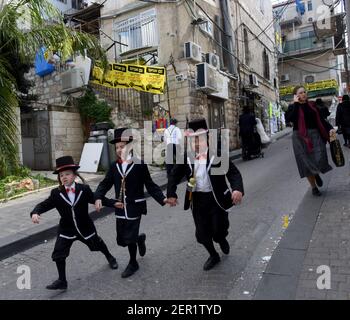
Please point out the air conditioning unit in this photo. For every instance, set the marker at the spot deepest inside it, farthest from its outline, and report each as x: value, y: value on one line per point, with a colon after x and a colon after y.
x: 310, y: 78
x: 284, y: 77
x: 73, y: 79
x: 213, y: 60
x: 193, y: 51
x: 253, y: 79
x: 207, y: 78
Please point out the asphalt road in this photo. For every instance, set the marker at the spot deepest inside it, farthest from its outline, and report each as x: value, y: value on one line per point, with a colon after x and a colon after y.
x: 172, y: 267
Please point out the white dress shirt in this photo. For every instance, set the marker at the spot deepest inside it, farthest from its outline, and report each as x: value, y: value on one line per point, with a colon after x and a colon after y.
x: 201, y: 175
x: 172, y: 134
x: 71, y: 195
x: 125, y: 163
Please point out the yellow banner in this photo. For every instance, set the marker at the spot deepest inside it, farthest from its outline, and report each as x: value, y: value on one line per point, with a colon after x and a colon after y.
x: 318, y: 85
x: 138, y: 77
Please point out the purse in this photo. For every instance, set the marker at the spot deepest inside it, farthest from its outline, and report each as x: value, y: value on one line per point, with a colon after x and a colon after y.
x: 337, y: 153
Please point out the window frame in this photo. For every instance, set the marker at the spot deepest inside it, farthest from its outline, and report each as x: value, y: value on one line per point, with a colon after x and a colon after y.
x: 135, y: 25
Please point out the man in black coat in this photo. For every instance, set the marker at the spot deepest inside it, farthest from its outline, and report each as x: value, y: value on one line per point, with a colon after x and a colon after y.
x: 207, y: 194
x: 324, y: 111
x: 247, y: 123
x: 342, y: 119
x: 129, y: 179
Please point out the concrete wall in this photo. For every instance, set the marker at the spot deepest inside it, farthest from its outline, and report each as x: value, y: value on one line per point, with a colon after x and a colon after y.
x: 247, y: 15
x: 66, y: 133
x: 61, y: 5
x: 297, y: 70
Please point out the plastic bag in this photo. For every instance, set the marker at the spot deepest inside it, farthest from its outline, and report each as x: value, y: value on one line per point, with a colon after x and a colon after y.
x: 261, y: 131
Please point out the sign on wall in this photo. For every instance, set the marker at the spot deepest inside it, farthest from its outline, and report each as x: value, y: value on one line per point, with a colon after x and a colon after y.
x: 142, y: 78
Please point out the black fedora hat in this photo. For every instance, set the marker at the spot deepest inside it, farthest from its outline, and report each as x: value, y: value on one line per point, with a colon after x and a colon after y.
x: 65, y: 163
x: 118, y: 136
x: 197, y: 127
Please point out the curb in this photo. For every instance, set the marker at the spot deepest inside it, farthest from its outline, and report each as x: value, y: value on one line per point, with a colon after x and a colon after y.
x: 27, y: 239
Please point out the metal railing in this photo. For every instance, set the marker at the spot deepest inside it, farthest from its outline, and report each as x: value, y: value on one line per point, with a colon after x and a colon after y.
x: 137, y: 32
x: 306, y: 44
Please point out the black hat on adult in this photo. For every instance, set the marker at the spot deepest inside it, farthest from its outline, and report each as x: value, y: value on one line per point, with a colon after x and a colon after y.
x: 65, y: 163
x: 319, y: 102
x: 345, y: 98
x: 118, y: 136
x: 197, y: 127
x: 173, y: 121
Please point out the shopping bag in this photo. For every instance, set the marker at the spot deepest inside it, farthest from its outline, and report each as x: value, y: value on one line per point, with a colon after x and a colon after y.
x: 337, y: 153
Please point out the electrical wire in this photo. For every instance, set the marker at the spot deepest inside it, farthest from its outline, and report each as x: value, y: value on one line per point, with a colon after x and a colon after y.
x: 302, y: 60
x: 323, y: 54
x: 278, y: 16
x: 313, y: 71
x: 220, y: 45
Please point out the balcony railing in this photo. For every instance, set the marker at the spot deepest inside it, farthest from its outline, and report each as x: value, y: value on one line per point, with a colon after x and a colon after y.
x: 137, y: 32
x: 306, y: 44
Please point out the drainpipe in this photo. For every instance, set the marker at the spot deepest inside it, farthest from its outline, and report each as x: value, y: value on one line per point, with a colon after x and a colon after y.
x: 228, y: 36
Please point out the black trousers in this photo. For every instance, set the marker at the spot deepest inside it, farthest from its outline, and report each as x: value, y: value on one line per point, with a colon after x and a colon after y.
x: 210, y: 220
x: 346, y: 134
x: 171, y: 151
x: 63, y: 245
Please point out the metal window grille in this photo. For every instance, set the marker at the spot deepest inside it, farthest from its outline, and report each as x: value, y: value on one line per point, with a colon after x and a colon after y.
x: 137, y: 32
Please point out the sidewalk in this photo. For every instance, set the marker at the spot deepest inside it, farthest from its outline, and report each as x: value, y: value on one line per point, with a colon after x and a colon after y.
x: 319, y: 235
x: 17, y: 233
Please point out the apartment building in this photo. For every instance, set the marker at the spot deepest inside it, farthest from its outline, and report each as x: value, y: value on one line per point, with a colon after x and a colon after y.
x: 312, y: 45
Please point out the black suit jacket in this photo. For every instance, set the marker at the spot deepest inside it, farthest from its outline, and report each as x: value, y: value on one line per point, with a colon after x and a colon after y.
x: 134, y: 202
x: 220, y: 189
x: 75, y: 219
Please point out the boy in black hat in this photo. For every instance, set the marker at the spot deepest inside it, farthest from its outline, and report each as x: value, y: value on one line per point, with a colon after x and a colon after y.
x: 207, y: 192
x: 71, y: 201
x: 129, y: 180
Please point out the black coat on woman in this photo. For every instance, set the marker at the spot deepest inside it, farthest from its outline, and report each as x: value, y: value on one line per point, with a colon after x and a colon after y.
x: 292, y: 116
x: 138, y: 177
x: 75, y: 220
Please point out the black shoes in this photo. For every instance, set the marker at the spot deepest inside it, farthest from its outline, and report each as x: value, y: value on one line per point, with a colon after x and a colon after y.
x: 224, y: 246
x: 130, y: 270
x: 112, y: 262
x: 57, y: 284
x: 141, y: 244
x: 211, y: 262
x: 319, y: 181
x: 316, y: 192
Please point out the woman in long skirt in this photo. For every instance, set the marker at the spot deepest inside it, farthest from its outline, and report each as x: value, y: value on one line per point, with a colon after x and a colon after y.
x: 310, y: 135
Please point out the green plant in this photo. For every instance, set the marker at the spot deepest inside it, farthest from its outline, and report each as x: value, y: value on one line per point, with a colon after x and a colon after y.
x: 93, y: 110
x: 18, y: 46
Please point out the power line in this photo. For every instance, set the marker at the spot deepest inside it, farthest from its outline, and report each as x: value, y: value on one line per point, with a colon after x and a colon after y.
x: 220, y: 45
x: 313, y: 71
x: 324, y: 53
x: 273, y: 20
x: 310, y: 63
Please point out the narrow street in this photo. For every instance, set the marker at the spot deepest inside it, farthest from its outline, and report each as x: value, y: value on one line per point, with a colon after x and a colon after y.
x: 172, y: 267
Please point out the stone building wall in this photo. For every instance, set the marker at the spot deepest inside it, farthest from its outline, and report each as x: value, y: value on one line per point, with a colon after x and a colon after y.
x: 48, y: 88
x: 66, y: 132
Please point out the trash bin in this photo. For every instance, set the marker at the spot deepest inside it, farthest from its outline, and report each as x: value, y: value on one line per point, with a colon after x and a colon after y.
x: 99, y: 134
